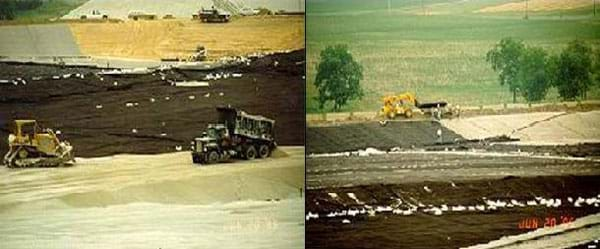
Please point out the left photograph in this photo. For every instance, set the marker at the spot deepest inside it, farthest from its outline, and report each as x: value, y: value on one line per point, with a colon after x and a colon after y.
x: 152, y: 123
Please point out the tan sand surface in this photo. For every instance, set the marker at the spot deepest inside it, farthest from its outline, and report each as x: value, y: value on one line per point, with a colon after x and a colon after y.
x: 180, y: 37
x: 538, y: 5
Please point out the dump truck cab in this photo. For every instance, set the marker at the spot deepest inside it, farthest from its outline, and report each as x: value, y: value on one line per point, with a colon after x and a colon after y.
x: 237, y: 134
x: 208, y: 147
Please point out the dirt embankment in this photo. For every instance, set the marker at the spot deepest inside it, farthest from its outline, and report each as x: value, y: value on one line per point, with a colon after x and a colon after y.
x: 540, y: 133
x: 351, y: 137
x: 179, y: 37
x: 98, y: 116
x: 448, y: 229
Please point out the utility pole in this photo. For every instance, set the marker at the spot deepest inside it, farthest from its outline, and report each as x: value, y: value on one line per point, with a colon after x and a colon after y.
x: 594, y: 8
x: 423, y: 7
x: 389, y: 7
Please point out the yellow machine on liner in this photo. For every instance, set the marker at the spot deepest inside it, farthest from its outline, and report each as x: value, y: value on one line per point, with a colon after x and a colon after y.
x: 405, y: 104
x: 30, y: 146
x: 399, y: 105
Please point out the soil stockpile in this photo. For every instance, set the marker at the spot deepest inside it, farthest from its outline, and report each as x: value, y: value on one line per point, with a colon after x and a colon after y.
x: 445, y: 214
x: 351, y: 137
x: 146, y: 113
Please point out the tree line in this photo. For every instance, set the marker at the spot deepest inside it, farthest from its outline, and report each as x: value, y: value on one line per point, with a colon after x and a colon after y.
x: 530, y: 71
x: 10, y: 8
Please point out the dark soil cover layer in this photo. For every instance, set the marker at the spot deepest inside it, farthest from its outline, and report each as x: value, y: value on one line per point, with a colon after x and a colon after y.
x: 93, y: 113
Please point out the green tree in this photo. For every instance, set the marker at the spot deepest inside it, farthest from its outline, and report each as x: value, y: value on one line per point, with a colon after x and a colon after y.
x: 532, y: 75
x: 596, y: 67
x: 504, y: 58
x: 7, y: 9
x: 572, y: 71
x: 338, y: 77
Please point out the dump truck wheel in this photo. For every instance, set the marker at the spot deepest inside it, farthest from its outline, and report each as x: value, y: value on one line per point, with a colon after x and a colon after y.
x: 263, y: 151
x: 408, y: 113
x: 23, y: 153
x: 196, y: 159
x: 212, y: 157
x: 392, y: 115
x: 250, y: 153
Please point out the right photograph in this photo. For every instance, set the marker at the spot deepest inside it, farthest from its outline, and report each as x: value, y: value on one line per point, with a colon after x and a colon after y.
x: 452, y: 124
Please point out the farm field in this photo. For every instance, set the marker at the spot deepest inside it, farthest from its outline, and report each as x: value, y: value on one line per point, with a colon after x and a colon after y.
x: 437, y: 49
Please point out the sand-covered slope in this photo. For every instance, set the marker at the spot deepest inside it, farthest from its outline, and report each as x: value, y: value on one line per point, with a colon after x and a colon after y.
x: 532, y: 128
x: 480, y: 127
x: 179, y: 38
x: 578, y: 127
x: 37, y: 40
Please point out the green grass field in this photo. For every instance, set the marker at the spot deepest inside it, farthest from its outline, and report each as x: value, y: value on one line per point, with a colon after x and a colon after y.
x: 440, y: 56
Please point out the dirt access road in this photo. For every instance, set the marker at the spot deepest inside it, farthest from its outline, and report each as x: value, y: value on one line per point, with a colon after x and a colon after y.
x: 155, y: 201
x: 405, y: 167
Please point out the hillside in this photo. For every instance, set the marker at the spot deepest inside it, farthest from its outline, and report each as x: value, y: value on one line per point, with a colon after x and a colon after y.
x: 435, y: 49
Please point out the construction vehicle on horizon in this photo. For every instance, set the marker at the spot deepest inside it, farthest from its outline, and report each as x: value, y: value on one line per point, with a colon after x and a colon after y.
x: 199, y: 54
x: 406, y: 104
x: 31, y: 146
x: 235, y: 135
x: 395, y: 105
x: 141, y: 15
x: 212, y: 15
x: 95, y: 15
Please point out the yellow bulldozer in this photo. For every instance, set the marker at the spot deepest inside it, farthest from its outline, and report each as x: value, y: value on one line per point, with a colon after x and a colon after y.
x: 405, y: 104
x: 395, y: 105
x: 31, y: 146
